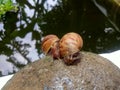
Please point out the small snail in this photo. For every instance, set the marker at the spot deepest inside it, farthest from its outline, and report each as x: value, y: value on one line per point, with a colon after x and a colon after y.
x: 50, y: 45
x: 70, y: 45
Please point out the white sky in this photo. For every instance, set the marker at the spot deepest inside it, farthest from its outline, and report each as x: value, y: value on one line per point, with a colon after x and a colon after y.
x: 7, y: 67
x: 114, y: 57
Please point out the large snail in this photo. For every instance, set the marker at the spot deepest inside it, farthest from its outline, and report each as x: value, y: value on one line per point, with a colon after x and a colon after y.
x: 70, y: 45
x: 50, y: 45
x: 67, y: 48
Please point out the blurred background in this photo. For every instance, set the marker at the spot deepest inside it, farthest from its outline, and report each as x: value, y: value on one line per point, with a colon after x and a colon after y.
x: 21, y: 31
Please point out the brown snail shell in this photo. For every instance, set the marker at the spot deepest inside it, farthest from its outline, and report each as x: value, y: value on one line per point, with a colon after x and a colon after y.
x: 70, y: 44
x: 50, y: 45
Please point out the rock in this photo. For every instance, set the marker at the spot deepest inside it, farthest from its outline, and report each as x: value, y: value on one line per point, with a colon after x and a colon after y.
x: 92, y: 73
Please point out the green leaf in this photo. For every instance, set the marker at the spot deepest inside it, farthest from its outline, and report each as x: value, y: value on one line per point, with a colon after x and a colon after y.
x: 5, y: 6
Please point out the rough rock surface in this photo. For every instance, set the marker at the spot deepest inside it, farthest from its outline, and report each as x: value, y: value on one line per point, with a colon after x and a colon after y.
x: 92, y: 73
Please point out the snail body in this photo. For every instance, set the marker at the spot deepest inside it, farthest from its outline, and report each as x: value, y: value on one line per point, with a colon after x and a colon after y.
x: 70, y: 45
x: 50, y: 45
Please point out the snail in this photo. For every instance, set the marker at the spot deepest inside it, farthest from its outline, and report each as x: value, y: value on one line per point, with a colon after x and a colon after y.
x: 69, y: 46
x: 50, y: 46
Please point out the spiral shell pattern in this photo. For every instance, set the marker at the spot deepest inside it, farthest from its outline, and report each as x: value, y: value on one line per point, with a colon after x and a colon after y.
x: 49, y: 42
x: 70, y: 43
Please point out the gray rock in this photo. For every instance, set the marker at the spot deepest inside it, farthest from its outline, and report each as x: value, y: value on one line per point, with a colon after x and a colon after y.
x: 92, y: 73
